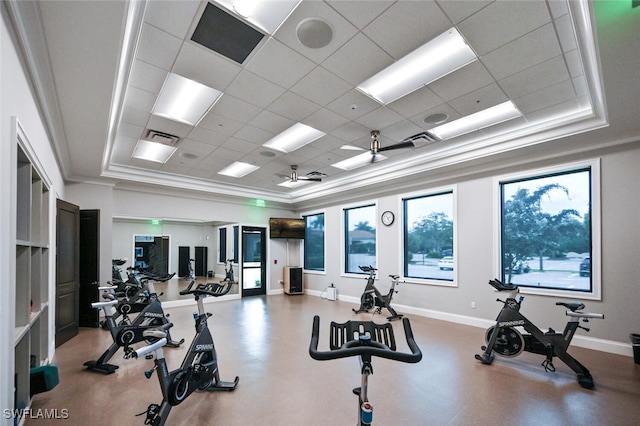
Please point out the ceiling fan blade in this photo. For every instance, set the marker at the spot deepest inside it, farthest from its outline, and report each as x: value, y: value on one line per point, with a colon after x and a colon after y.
x: 310, y: 179
x: 352, y: 148
x: 400, y: 145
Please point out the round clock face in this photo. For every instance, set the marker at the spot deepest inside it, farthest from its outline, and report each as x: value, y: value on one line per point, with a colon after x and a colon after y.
x: 387, y: 218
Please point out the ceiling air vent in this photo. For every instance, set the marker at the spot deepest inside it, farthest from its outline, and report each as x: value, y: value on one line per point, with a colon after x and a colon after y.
x: 161, y: 137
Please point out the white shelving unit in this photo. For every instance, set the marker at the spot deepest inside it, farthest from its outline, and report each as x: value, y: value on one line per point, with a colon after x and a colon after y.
x: 32, y: 271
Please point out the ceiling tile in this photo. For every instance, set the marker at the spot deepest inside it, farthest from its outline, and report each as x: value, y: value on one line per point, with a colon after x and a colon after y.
x: 254, y: 89
x: 168, y: 126
x: 293, y: 106
x: 223, y: 126
x: 279, y: 64
x: 157, y: 47
x: 459, y: 10
x: 407, y: 25
x: 236, y: 109
x: 478, y: 100
x: 271, y: 122
x: 353, y: 104
x: 531, y: 49
x: 196, y: 147
x: 514, y: 19
x: 357, y: 60
x: 401, y: 130
x: 321, y: 87
x: 140, y: 99
x: 147, y: 77
x: 360, y: 13
x: 553, y: 95
x: 415, y: 102
x: 173, y: 17
x: 466, y: 79
x: 204, y: 66
x: 325, y: 120
x: 253, y: 135
x: 535, y: 78
x: 351, y: 132
x: 379, y: 118
x: 566, y: 33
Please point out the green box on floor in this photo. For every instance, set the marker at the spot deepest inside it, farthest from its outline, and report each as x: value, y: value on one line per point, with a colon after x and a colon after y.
x: 43, y: 378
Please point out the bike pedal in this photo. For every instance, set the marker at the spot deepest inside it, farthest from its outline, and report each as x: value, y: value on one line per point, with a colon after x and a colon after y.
x: 148, y: 356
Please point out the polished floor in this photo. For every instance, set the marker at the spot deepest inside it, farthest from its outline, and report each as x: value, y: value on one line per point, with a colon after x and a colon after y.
x: 265, y: 340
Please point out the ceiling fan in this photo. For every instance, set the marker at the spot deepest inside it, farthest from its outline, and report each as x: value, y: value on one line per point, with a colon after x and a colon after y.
x: 375, y: 147
x: 312, y: 177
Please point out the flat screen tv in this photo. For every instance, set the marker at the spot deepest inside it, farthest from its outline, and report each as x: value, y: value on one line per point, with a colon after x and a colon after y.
x: 280, y: 227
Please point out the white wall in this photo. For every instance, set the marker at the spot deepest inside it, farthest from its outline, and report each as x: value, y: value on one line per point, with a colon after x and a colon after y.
x: 17, y: 100
x: 476, y: 263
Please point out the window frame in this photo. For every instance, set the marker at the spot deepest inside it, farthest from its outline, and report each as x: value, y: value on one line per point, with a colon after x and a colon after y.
x: 322, y: 271
x: 595, y: 219
x: 343, y: 236
x: 453, y: 190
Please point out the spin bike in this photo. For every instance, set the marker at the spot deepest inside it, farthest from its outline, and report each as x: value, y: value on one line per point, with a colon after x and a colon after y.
x: 125, y: 334
x: 199, y: 369
x: 366, y: 340
x: 509, y: 342
x: 372, y: 297
x: 228, y: 272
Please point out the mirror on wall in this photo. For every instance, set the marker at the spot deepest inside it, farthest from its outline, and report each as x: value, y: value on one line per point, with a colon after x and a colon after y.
x: 188, y: 248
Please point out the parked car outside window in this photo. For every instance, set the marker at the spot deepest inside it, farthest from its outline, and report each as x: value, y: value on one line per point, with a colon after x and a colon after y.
x: 585, y: 267
x: 446, y: 263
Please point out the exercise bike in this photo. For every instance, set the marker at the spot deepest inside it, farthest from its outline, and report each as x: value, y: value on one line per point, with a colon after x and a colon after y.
x: 125, y: 334
x: 199, y: 369
x: 372, y: 297
x: 366, y: 340
x: 228, y: 272
x: 505, y: 340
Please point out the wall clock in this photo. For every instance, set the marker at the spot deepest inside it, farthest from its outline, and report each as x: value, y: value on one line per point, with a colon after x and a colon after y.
x: 387, y: 218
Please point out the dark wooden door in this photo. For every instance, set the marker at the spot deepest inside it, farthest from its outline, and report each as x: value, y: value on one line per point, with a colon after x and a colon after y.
x: 89, y: 266
x: 201, y: 261
x: 67, y: 271
x: 184, y: 254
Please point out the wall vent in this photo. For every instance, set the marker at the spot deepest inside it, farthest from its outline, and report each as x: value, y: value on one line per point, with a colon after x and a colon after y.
x: 161, y: 137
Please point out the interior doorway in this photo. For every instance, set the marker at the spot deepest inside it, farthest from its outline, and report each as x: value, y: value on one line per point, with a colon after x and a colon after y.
x: 151, y: 253
x: 253, y: 262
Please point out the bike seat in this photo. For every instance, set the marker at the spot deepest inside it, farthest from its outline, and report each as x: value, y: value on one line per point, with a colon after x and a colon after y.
x: 500, y: 286
x: 394, y: 277
x: 573, y: 306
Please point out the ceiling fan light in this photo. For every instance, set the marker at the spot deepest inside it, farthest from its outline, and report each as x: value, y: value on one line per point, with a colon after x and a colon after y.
x: 479, y: 120
x: 238, y: 169
x: 358, y: 161
x: 184, y: 100
x: 293, y: 138
x: 292, y: 184
x: 153, y: 151
x: 433, y: 60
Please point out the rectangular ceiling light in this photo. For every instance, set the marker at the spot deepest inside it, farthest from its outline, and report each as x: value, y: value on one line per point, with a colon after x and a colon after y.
x: 238, y: 169
x: 358, y: 161
x: 153, y: 151
x: 435, y: 59
x: 267, y: 15
x: 479, y: 120
x: 293, y: 138
x: 185, y: 100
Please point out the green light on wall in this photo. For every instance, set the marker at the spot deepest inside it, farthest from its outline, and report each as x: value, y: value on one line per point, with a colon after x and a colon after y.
x: 259, y: 203
x: 155, y: 222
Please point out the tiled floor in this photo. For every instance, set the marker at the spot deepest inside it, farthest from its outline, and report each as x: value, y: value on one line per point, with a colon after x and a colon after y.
x: 265, y: 341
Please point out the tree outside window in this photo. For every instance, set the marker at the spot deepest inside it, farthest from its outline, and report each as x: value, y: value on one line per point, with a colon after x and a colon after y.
x: 546, y: 231
x: 314, y: 242
x: 360, y: 238
x: 428, y: 236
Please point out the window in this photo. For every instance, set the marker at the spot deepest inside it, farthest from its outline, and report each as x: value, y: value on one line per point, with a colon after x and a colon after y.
x: 222, y: 256
x: 548, y: 229
x: 314, y: 242
x: 359, y: 238
x: 429, y: 236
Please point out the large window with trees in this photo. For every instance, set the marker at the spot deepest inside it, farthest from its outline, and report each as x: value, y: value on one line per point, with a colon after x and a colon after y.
x: 549, y: 227
x: 359, y: 238
x: 314, y: 242
x: 429, y: 236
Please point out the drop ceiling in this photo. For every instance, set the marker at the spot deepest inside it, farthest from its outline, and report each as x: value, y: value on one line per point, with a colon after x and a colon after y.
x: 99, y: 67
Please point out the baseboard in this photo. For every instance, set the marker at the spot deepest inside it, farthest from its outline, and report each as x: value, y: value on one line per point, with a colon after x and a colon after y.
x: 601, y: 345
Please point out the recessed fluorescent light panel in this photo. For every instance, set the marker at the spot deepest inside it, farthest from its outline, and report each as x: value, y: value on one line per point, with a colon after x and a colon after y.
x: 153, y: 151
x: 293, y: 138
x: 238, y: 169
x: 358, y: 161
x: 435, y: 59
x: 479, y: 120
x: 267, y: 15
x: 185, y: 100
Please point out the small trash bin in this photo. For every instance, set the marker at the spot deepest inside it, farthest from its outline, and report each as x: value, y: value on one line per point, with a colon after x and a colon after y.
x: 635, y: 343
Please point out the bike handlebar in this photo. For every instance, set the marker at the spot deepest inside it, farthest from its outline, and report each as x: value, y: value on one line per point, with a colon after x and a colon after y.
x: 208, y: 289
x: 369, y: 347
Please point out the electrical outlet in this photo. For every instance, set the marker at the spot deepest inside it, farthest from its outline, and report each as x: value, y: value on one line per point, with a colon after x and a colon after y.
x: 473, y: 305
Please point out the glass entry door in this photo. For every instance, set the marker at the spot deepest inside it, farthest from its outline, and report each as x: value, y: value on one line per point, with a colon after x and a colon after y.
x: 253, y: 262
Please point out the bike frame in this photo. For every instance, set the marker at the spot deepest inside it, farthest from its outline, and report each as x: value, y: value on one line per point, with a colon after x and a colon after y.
x: 536, y: 341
